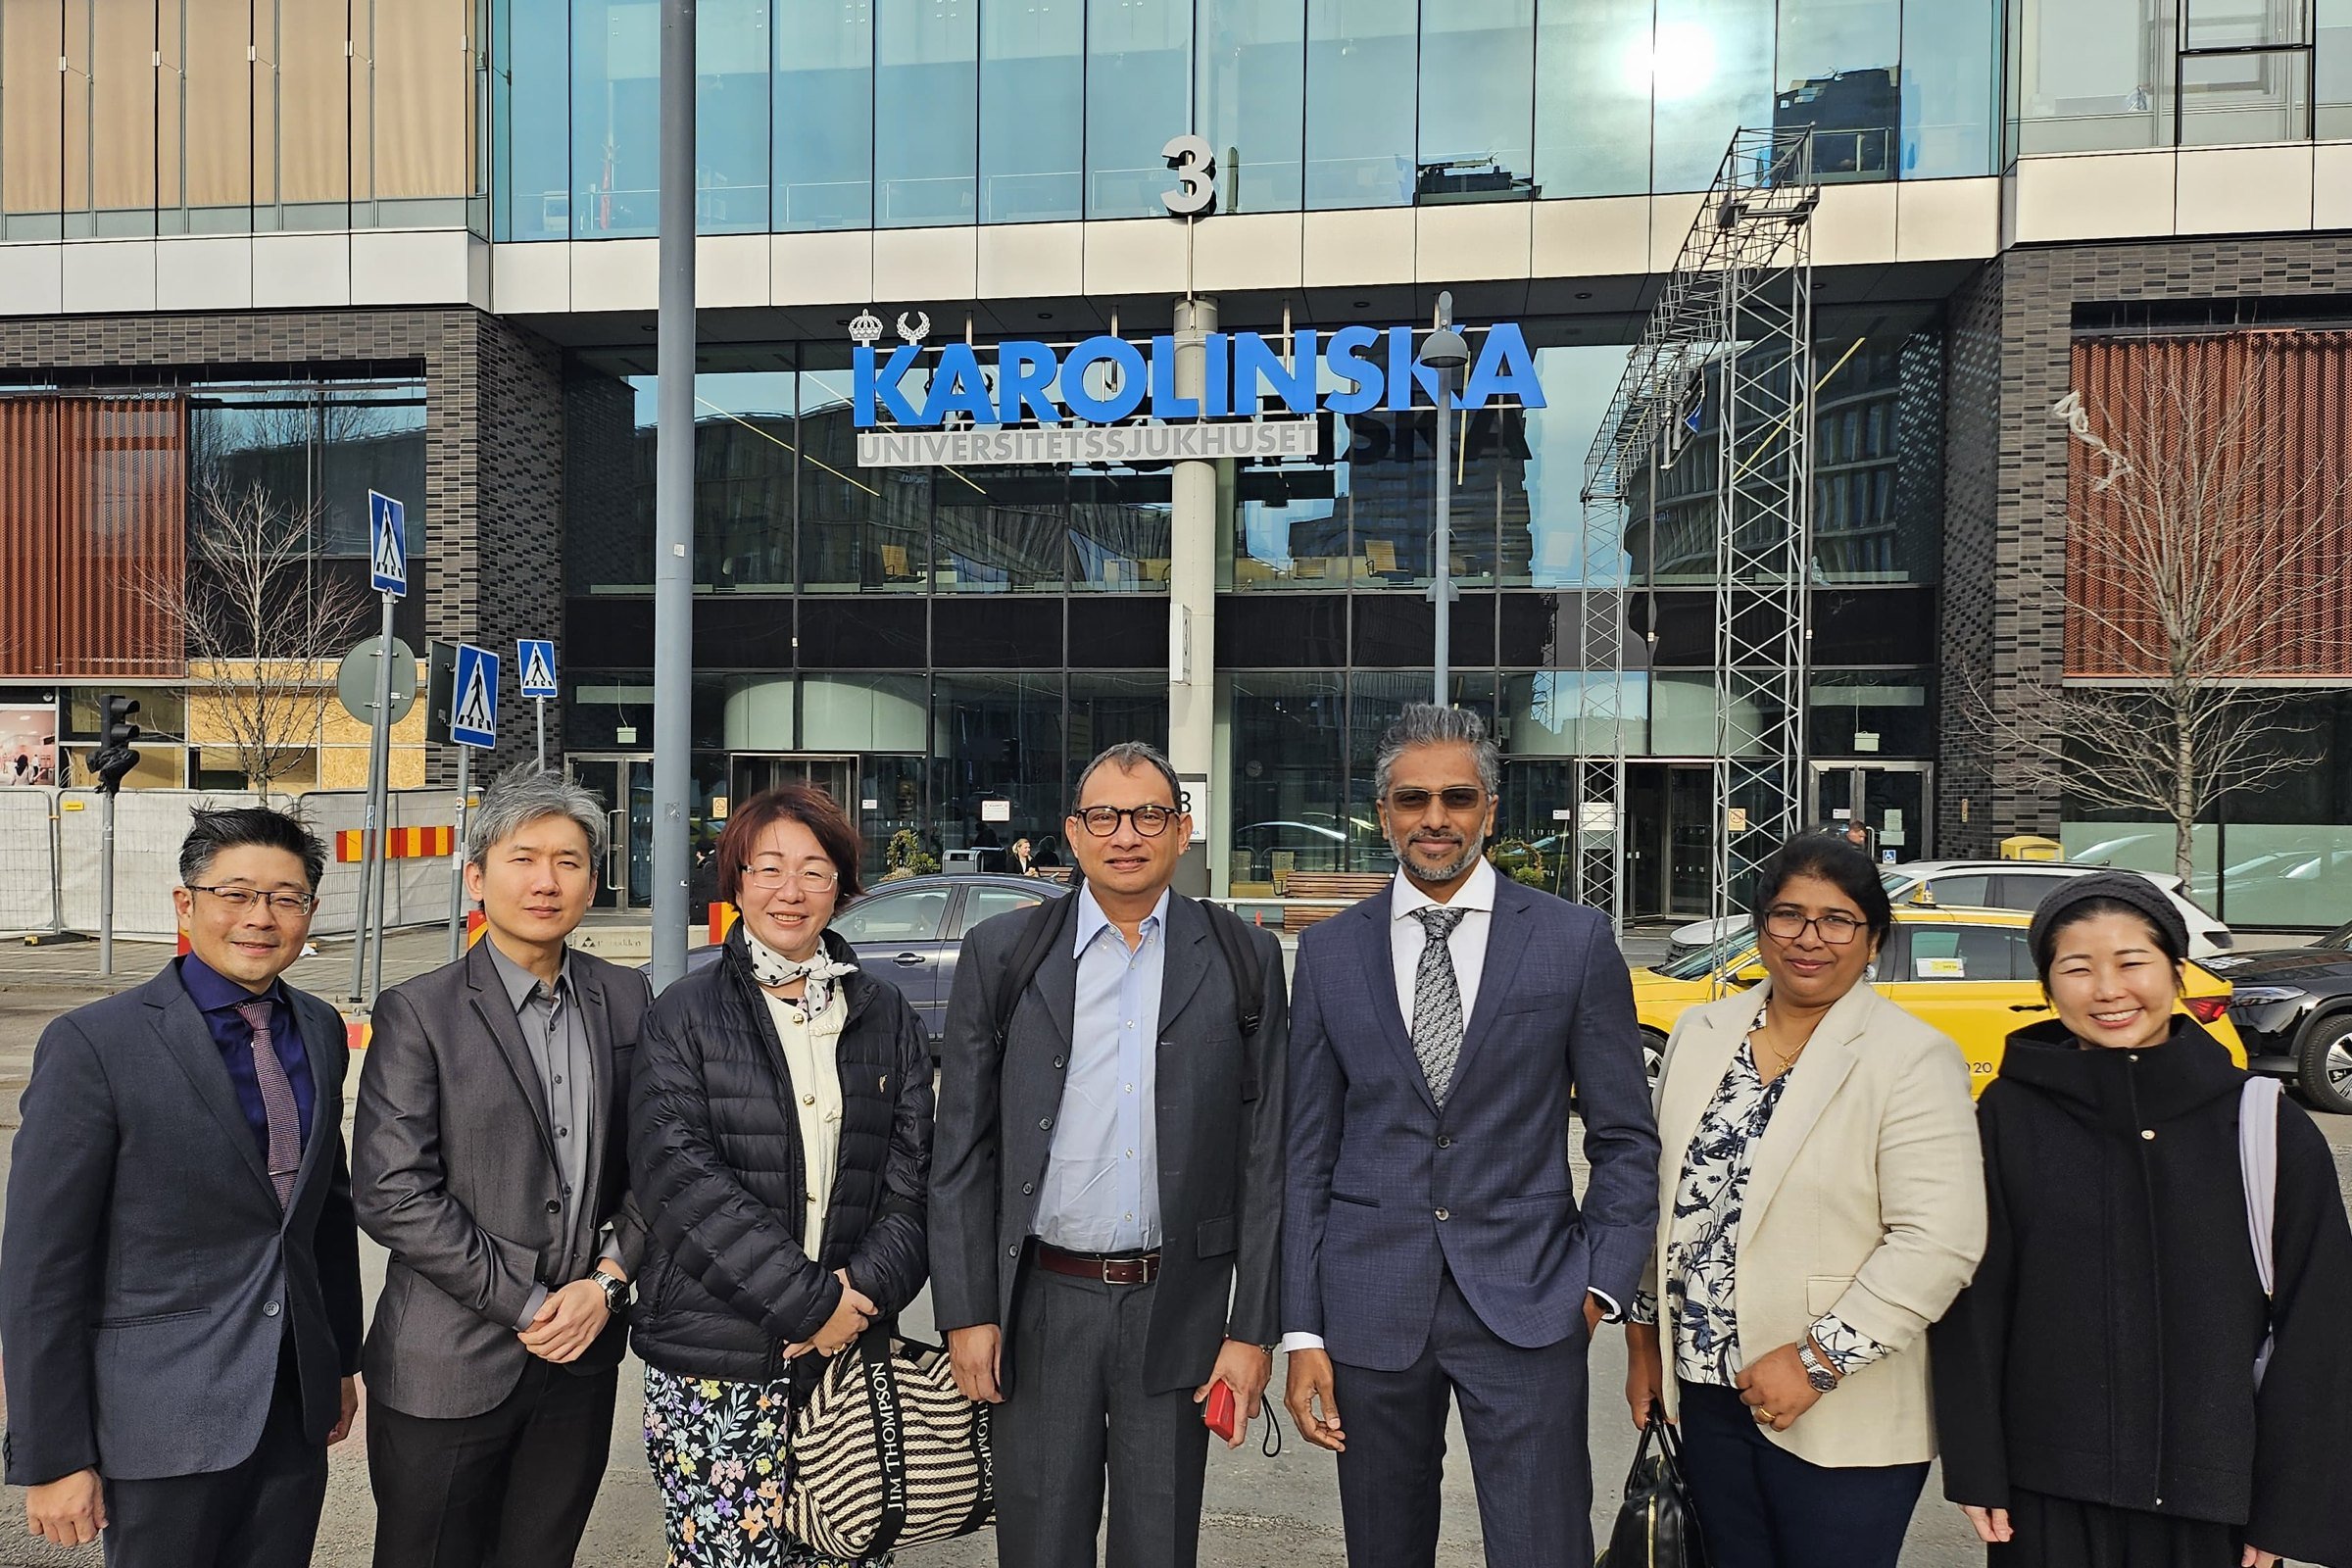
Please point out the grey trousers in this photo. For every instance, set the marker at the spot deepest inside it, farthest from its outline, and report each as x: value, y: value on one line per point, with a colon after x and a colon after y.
x: 1077, y: 1413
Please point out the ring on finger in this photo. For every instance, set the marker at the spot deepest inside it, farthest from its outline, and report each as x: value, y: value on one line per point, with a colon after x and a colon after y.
x: 1763, y: 1416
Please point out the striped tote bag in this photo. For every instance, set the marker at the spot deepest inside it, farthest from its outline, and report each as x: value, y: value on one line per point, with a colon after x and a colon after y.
x: 888, y: 1452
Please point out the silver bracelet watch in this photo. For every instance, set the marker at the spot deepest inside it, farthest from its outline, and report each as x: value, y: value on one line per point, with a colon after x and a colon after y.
x: 1821, y: 1377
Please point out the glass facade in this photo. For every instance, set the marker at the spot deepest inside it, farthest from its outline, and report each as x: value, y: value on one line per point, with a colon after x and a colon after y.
x: 129, y: 118
x: 839, y: 114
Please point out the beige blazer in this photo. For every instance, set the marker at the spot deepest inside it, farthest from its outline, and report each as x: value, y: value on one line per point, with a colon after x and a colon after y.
x: 1866, y: 1195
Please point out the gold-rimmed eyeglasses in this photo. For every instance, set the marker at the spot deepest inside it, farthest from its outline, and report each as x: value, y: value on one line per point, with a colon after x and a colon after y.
x: 810, y: 878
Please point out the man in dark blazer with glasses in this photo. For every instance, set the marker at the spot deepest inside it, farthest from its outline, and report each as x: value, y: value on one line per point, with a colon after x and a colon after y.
x: 179, y: 1275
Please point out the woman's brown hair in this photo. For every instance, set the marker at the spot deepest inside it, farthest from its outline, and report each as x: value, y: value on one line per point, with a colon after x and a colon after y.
x: 804, y: 804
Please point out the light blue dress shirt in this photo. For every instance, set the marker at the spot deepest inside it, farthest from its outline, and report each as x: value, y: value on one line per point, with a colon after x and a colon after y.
x: 1102, y: 1188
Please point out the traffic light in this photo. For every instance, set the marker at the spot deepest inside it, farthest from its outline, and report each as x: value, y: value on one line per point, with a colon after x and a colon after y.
x: 114, y: 757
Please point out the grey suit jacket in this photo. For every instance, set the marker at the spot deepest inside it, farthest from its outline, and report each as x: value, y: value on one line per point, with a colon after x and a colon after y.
x: 1219, y: 1108
x: 148, y: 1279
x: 454, y: 1170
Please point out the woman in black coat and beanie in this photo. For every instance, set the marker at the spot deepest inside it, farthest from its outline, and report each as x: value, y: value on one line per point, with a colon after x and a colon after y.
x: 780, y: 1149
x: 2096, y: 1387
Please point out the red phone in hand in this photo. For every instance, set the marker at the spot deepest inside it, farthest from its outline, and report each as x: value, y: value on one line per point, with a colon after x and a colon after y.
x: 1220, y: 1416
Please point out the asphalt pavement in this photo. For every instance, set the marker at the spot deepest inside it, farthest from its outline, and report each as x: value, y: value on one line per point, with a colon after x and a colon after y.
x: 1262, y: 1512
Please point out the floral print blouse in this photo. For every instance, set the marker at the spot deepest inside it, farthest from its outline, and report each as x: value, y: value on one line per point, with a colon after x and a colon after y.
x: 1700, y: 1270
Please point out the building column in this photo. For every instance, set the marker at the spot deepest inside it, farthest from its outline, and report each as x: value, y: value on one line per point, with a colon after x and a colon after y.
x: 1193, y: 599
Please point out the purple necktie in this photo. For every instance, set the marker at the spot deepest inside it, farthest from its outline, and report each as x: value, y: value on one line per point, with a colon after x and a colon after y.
x: 278, y: 1103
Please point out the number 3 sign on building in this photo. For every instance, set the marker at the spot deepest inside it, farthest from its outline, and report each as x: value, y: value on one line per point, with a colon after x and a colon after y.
x: 1196, y: 169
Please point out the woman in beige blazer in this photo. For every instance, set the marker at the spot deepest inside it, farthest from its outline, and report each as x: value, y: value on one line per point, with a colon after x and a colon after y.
x: 1827, y: 1204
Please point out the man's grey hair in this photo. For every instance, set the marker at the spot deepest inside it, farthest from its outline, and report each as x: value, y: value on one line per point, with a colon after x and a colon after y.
x: 1128, y: 757
x: 523, y: 795
x: 1428, y: 724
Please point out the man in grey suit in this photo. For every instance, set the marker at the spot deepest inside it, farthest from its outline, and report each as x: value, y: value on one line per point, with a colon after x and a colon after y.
x: 1433, y: 1244
x: 1106, y: 1185
x: 490, y: 1160
x: 179, y: 1279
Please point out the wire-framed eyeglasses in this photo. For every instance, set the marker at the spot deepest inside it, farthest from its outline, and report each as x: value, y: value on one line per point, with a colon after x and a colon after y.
x: 768, y: 878
x: 242, y: 898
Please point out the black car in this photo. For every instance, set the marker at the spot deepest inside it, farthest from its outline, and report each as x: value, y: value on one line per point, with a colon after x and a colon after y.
x: 908, y: 932
x: 2293, y: 1009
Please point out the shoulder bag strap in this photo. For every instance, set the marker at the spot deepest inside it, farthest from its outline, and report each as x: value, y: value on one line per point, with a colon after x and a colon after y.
x: 881, y: 1379
x: 1050, y: 919
x: 1241, y: 962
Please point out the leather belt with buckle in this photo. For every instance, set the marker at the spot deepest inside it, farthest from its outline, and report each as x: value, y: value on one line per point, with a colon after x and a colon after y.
x: 1123, y: 1268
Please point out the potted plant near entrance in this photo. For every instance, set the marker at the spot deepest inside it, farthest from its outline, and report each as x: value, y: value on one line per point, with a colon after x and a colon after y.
x: 904, y: 856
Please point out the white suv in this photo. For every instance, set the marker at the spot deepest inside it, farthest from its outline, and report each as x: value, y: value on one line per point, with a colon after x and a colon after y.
x: 1986, y: 884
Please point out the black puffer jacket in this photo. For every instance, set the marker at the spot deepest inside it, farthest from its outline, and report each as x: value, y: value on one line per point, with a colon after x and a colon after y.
x: 716, y: 1164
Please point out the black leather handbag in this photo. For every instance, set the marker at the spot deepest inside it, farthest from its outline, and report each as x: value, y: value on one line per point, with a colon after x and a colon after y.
x: 1656, y: 1526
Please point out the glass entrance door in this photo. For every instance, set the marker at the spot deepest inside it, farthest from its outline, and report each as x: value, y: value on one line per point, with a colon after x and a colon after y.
x: 1892, y: 799
x: 1668, y: 856
x: 625, y: 787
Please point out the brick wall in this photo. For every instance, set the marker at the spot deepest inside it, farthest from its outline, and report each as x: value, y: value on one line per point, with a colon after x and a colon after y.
x: 493, y: 475
x: 2011, y: 339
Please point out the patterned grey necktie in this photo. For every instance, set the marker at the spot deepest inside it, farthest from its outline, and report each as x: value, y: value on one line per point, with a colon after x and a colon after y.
x: 279, y: 1112
x: 1437, y: 1002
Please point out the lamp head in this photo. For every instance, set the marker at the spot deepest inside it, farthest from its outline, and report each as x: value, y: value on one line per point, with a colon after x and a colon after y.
x: 1445, y: 350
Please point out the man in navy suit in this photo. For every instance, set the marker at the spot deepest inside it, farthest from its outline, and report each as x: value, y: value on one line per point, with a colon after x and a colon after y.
x: 179, y: 1284
x: 1433, y: 1244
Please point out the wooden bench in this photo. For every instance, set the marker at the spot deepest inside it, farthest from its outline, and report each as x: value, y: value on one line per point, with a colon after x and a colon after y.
x: 1343, y: 888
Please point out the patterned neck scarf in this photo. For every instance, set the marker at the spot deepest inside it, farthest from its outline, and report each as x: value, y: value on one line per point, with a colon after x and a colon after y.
x: 771, y: 970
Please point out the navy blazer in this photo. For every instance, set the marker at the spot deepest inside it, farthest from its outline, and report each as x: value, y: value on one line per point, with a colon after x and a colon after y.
x: 1385, y: 1190
x: 148, y: 1278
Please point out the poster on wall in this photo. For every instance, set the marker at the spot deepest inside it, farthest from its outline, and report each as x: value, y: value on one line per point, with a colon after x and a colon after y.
x: 27, y: 746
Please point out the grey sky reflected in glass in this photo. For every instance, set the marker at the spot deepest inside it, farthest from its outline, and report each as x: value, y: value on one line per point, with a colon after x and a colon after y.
x: 1712, y: 74
x: 1360, y: 76
x: 1950, y: 87
x: 1032, y: 118
x: 1138, y: 86
x: 1478, y: 64
x: 927, y: 110
x: 1592, y: 98
x: 731, y: 115
x: 615, y: 119
x: 1250, y: 87
x: 533, y: 109
x: 824, y: 115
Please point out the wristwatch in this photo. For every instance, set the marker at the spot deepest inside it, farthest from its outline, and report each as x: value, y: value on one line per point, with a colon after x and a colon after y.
x: 615, y: 1289
x: 1821, y: 1377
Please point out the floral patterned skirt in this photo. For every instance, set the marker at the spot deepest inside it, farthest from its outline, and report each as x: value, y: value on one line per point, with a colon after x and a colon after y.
x: 718, y: 1451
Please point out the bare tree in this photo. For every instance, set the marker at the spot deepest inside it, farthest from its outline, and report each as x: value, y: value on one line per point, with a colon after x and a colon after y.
x: 264, y: 627
x: 2192, y: 548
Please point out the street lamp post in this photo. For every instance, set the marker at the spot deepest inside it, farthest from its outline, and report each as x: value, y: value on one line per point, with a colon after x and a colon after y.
x: 1445, y: 352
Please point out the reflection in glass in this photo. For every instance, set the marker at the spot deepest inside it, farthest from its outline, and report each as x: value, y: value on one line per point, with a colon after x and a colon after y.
x: 1578, y: 384
x: 1108, y: 708
x: 531, y: 104
x: 1288, y: 792
x: 1950, y: 87
x: 824, y: 115
x: 616, y: 117
x: 1592, y: 109
x: 2263, y: 96
x: 1137, y: 81
x: 2091, y: 76
x: 1477, y: 101
x: 731, y: 117
x: 996, y: 738
x: 1119, y: 532
x: 1837, y: 78
x: 998, y: 530
x: 742, y: 459
x: 1251, y: 77
x: 863, y: 530
x: 2331, y: 68
x: 1032, y: 122
x: 1710, y: 74
x: 927, y: 110
x: 1360, y: 74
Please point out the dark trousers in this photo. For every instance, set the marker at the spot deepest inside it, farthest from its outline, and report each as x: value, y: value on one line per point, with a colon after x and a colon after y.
x: 1762, y: 1507
x: 512, y: 1485
x: 1523, y: 1414
x: 263, y: 1513
x: 1077, y: 1412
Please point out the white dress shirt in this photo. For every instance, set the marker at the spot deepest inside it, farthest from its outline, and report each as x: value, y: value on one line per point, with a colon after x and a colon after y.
x: 1407, y: 936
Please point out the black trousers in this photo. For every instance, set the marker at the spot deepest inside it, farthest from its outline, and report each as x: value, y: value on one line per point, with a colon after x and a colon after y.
x: 1524, y: 1417
x: 1762, y: 1507
x: 512, y: 1485
x: 263, y: 1513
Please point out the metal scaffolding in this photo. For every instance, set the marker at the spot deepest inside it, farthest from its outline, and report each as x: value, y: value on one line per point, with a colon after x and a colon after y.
x: 1729, y: 341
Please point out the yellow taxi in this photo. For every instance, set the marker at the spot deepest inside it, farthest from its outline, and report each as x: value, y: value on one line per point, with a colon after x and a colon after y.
x: 1967, y: 972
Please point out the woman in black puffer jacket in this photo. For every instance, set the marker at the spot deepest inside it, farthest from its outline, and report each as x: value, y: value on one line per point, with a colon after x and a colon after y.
x: 780, y: 1149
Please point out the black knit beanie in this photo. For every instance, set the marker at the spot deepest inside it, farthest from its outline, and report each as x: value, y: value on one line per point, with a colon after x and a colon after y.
x: 2124, y: 887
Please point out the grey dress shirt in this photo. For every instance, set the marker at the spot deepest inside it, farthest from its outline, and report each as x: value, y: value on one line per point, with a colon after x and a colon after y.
x: 558, y: 1038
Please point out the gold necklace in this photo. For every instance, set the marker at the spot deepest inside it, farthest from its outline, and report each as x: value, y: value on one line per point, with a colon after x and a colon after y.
x: 1788, y: 1061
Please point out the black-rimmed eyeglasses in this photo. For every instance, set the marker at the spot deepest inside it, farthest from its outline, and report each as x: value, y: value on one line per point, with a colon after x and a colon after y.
x: 1787, y: 924
x: 1149, y: 820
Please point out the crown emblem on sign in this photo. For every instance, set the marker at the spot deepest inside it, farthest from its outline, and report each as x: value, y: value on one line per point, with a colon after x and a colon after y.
x: 864, y: 328
x: 922, y: 328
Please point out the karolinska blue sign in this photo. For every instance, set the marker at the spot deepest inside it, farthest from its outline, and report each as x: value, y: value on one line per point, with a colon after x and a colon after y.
x: 1013, y: 409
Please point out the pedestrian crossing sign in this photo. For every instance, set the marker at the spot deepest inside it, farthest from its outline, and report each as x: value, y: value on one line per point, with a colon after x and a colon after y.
x: 387, y: 545
x: 537, y: 663
x: 474, y: 711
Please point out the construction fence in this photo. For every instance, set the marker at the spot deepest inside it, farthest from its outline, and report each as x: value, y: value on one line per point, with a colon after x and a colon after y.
x: 50, y: 842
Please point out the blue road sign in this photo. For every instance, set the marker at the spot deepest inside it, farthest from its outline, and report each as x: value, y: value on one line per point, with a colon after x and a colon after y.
x: 473, y: 709
x: 387, y: 544
x: 537, y: 663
